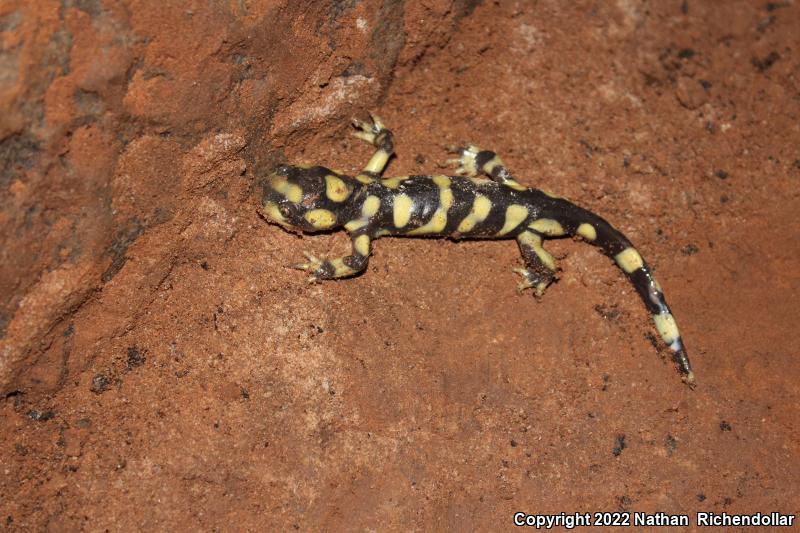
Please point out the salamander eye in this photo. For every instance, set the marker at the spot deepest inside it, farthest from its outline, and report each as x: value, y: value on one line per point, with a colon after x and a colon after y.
x: 284, y: 210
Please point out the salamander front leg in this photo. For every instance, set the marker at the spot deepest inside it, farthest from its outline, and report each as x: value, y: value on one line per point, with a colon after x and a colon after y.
x: 375, y: 133
x: 340, y: 267
x: 540, y: 268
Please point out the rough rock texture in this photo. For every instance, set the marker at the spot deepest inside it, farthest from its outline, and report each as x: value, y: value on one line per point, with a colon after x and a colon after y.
x: 162, y: 370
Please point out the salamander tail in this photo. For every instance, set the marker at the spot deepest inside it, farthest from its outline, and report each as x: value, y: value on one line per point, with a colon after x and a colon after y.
x: 596, y: 230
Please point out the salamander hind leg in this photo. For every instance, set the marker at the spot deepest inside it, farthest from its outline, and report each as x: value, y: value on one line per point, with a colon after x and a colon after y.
x: 375, y: 133
x: 540, y: 266
x: 473, y: 161
x: 340, y: 267
x: 465, y: 162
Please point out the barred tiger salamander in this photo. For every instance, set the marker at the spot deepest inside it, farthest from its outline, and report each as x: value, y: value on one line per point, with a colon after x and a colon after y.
x: 369, y: 206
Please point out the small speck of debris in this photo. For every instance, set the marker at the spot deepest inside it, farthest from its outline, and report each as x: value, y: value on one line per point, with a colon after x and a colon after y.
x: 652, y: 340
x: 686, y: 53
x: 136, y: 357
x: 608, y: 312
x: 513, y: 443
x: 40, y: 416
x: 701, y: 497
x: 624, y: 502
x: 671, y: 444
x: 765, y: 23
x: 763, y: 64
x: 619, y: 445
x: 724, y: 426
x: 100, y: 384
x: 721, y: 174
x: 690, y: 249
x: 204, y: 265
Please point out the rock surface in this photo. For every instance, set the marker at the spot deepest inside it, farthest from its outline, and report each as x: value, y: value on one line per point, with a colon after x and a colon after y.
x: 162, y: 370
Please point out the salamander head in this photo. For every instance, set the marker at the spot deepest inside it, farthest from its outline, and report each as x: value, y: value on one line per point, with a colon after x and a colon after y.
x: 307, y: 199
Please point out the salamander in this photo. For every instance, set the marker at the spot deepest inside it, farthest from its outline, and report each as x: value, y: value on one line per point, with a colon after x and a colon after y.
x: 482, y: 200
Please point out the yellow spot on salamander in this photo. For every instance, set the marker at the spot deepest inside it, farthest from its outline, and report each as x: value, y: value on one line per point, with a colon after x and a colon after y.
x: 514, y: 184
x: 356, y: 224
x: 340, y: 270
x: 436, y: 224
x: 547, y: 226
x: 629, y: 260
x: 438, y: 221
x: 271, y: 211
x: 391, y: 183
x: 529, y: 239
x: 480, y: 210
x: 378, y: 161
x: 445, y: 193
x: 291, y: 191
x: 443, y: 182
x: 368, y: 209
x: 371, y: 205
x: 446, y: 199
x: 533, y: 240
x: 515, y: 215
x: 361, y: 245
x: 667, y: 328
x: 587, y: 231
x: 491, y: 164
x: 335, y: 189
x: 363, y: 178
x: 403, y: 205
x: 320, y: 218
